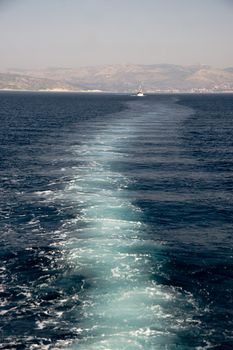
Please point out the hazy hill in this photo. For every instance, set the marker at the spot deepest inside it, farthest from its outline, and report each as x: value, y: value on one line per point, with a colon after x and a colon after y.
x: 12, y: 81
x: 122, y: 78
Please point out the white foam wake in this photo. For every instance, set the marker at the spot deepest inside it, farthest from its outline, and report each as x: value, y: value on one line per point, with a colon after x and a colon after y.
x: 107, y: 243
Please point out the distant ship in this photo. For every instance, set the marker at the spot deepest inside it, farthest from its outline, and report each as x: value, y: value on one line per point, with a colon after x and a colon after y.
x: 140, y: 92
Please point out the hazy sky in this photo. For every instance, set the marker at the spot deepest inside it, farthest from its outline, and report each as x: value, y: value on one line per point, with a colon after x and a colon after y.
x: 71, y: 33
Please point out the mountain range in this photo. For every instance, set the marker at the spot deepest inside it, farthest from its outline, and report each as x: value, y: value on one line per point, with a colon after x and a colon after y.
x: 124, y: 78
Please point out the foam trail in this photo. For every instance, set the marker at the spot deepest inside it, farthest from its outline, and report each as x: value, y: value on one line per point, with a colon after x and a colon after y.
x: 122, y: 307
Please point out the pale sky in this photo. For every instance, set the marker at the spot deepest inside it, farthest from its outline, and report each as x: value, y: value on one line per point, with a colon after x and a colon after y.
x: 73, y: 33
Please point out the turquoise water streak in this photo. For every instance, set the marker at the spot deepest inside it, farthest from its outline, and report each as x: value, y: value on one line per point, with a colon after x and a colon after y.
x: 122, y: 307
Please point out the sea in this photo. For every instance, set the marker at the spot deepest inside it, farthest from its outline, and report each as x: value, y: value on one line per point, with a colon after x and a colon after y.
x: 116, y: 221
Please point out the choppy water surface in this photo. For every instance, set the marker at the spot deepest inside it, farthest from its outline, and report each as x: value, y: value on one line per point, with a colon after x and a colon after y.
x: 116, y: 222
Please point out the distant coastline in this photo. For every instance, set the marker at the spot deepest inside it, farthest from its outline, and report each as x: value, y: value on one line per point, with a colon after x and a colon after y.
x: 53, y: 91
x: 56, y: 91
x: 124, y: 78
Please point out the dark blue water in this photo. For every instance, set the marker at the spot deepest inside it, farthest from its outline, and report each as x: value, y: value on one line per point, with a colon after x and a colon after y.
x: 116, y: 221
